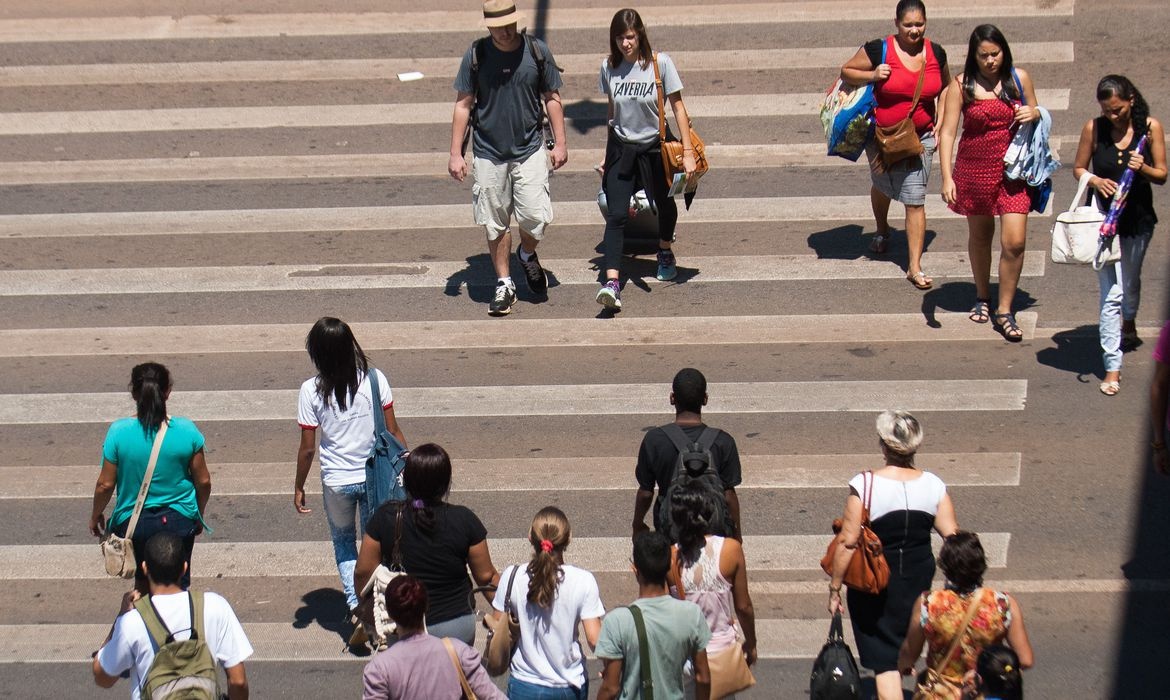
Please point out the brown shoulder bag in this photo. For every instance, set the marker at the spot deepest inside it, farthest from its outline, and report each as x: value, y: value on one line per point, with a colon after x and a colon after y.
x: 898, y: 142
x: 868, y: 571
x: 672, y: 150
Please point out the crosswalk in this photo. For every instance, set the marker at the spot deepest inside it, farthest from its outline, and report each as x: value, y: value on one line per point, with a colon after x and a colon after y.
x: 546, y: 406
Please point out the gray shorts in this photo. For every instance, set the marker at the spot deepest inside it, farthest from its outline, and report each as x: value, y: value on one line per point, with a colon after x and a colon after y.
x: 516, y: 188
x: 906, y: 181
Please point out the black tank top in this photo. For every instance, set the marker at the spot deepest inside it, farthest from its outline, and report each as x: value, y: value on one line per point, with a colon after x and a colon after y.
x: 1110, y: 162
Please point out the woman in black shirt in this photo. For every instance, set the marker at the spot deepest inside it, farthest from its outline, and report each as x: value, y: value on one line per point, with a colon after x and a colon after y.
x: 1107, y: 148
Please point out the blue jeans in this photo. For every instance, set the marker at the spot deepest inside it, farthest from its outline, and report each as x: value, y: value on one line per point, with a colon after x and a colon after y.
x: 1121, y: 292
x: 151, y: 522
x: 519, y: 690
x: 341, y: 508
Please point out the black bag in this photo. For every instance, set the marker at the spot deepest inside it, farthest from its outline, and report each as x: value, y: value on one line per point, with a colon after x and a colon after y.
x: 834, y: 673
x: 695, y: 463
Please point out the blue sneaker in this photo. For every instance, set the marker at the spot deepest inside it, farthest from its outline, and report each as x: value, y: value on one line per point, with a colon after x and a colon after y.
x: 610, y: 295
x: 666, y: 267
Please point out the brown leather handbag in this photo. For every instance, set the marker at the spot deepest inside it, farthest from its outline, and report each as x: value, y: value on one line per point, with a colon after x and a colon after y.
x: 672, y: 149
x: 868, y: 570
x: 898, y: 142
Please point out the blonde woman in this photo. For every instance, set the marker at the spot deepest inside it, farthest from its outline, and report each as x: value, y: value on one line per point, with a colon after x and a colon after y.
x: 551, y: 599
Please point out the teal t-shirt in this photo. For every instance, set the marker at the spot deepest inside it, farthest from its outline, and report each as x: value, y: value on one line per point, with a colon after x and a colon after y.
x: 676, y: 631
x: 128, y: 446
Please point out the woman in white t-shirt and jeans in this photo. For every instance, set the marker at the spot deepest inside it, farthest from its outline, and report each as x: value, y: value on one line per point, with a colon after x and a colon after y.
x: 550, y: 599
x: 632, y: 154
x: 339, y: 402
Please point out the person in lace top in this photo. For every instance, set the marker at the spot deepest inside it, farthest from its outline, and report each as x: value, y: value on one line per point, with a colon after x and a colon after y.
x: 710, y: 571
x: 939, y: 615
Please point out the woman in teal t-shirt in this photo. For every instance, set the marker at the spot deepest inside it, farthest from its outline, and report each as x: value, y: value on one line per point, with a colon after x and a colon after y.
x: 181, y: 483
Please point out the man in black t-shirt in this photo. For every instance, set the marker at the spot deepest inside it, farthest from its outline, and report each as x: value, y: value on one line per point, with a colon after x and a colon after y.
x: 657, y: 455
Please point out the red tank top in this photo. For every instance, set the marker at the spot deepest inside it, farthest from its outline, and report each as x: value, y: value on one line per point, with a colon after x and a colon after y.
x: 895, y: 93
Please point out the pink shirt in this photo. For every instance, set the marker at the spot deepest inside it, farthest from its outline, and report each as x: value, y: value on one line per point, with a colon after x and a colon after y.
x: 419, y: 666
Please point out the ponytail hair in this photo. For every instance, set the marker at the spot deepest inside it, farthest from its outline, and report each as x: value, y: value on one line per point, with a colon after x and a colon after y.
x: 998, y: 669
x: 338, y: 358
x: 149, y: 384
x: 544, y: 569
x: 694, y: 514
x: 1120, y: 86
x: 426, y: 478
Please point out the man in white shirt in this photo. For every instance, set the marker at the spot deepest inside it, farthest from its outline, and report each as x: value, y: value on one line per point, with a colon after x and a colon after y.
x: 129, y: 650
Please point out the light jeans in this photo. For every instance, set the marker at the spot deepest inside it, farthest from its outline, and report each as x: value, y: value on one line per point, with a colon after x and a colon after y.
x: 1121, y: 292
x: 342, y: 504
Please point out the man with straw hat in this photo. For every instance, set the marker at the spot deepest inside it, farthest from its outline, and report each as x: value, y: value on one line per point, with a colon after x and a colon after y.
x: 500, y: 86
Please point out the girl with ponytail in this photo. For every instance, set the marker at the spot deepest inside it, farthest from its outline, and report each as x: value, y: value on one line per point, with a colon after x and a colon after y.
x: 710, y: 571
x: 550, y: 598
x: 180, y: 485
x: 1107, y: 149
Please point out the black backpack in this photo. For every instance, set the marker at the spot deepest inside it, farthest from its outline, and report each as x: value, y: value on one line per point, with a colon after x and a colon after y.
x: 477, y: 49
x: 695, y: 463
x: 834, y: 673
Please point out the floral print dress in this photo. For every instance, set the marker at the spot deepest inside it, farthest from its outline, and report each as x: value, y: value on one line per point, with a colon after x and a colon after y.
x: 942, y: 616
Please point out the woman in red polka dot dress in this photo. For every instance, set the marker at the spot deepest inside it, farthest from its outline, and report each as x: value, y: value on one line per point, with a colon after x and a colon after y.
x: 988, y: 97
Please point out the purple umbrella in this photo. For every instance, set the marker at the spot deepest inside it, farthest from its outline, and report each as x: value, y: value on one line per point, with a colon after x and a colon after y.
x: 1109, y: 225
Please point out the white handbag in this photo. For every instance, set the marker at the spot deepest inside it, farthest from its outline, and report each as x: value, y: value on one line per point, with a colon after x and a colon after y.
x: 1077, y: 232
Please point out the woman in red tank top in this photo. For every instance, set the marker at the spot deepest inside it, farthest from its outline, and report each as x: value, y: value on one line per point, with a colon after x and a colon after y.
x: 906, y: 54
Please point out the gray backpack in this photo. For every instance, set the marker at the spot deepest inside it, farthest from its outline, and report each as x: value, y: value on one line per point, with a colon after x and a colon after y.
x: 695, y: 464
x: 181, y: 670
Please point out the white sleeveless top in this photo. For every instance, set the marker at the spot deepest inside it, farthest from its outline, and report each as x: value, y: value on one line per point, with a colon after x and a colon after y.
x: 706, y: 587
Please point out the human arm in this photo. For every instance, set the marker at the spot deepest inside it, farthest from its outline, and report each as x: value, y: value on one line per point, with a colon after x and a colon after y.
x: 201, y: 477
x: 945, y: 522
x: 948, y: 129
x: 1153, y: 169
x: 483, y: 572
x: 732, y: 499
x: 305, y: 454
x: 103, y: 491
x: 1017, y: 635
x: 392, y: 424
x: 1159, y: 394
x: 1084, y: 158
x: 684, y: 127
x: 611, y: 679
x: 237, y: 680
x: 592, y: 627
x: 860, y: 70
x: 846, y: 542
x: 556, y: 119
x: 915, y: 639
x: 642, y: 502
x: 117, y: 656
x: 941, y: 105
x: 732, y: 560
x: 369, y: 556
x: 702, y: 675
x: 1030, y: 110
x: 461, y: 115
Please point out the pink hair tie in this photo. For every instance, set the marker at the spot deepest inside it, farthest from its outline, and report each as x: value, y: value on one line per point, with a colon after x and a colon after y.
x: 546, y: 545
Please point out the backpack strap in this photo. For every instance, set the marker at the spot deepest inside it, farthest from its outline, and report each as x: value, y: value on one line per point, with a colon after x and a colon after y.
x: 677, y: 437
x: 196, y: 614
x: 159, y: 633
x: 707, y: 437
x: 643, y: 653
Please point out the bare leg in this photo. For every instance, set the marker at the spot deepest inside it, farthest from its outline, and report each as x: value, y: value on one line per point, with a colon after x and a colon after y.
x: 880, y: 204
x: 527, y: 242
x: 500, y: 250
x: 980, y: 231
x: 915, y: 238
x: 1013, y: 230
x: 889, y: 685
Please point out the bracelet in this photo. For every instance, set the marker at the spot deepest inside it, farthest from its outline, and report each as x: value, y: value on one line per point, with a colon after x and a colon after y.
x: 833, y: 589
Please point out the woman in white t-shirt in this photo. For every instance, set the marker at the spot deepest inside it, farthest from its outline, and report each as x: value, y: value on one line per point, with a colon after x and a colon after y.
x: 632, y: 155
x: 550, y: 598
x: 339, y: 402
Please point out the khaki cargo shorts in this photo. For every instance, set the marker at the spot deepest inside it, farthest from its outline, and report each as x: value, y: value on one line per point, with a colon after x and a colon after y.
x: 515, y: 188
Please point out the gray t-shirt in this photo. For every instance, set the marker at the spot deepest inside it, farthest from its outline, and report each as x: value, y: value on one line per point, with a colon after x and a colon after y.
x: 675, y: 629
x: 507, y: 106
x: 635, y: 99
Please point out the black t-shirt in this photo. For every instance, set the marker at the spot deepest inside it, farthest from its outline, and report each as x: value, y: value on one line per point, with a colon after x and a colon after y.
x: 873, y: 51
x: 439, y: 559
x: 1111, y: 162
x: 657, y: 457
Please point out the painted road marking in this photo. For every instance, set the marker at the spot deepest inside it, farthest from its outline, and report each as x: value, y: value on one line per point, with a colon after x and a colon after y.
x: 535, y: 474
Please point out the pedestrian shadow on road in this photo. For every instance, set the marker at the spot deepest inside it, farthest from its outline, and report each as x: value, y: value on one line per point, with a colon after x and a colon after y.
x: 479, y: 279
x: 1076, y: 351
x: 585, y: 115
x: 326, y: 607
x: 850, y: 242
x: 959, y: 297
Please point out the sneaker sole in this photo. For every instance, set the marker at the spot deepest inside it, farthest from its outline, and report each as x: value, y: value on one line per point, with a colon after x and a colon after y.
x: 608, y: 301
x: 668, y: 277
x: 500, y: 312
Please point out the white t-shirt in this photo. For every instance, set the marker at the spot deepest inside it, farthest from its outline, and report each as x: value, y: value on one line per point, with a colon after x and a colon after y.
x: 923, y: 494
x: 549, y: 653
x: 346, y: 436
x: 635, y: 97
x: 131, y: 647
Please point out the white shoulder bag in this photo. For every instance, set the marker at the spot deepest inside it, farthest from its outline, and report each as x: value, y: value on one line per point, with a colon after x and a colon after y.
x: 1077, y: 232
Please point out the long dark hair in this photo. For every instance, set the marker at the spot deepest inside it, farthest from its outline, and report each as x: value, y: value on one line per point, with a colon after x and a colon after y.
x: 427, y: 479
x: 905, y: 6
x: 999, y: 673
x: 149, y: 384
x: 544, y: 569
x: 1007, y: 84
x: 693, y: 512
x: 1120, y: 86
x: 622, y: 22
x: 338, y: 358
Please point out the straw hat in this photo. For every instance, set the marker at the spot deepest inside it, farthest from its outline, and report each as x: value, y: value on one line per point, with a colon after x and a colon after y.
x: 500, y: 13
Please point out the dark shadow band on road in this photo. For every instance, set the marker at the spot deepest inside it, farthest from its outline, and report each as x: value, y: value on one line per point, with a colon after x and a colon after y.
x: 1139, y: 669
